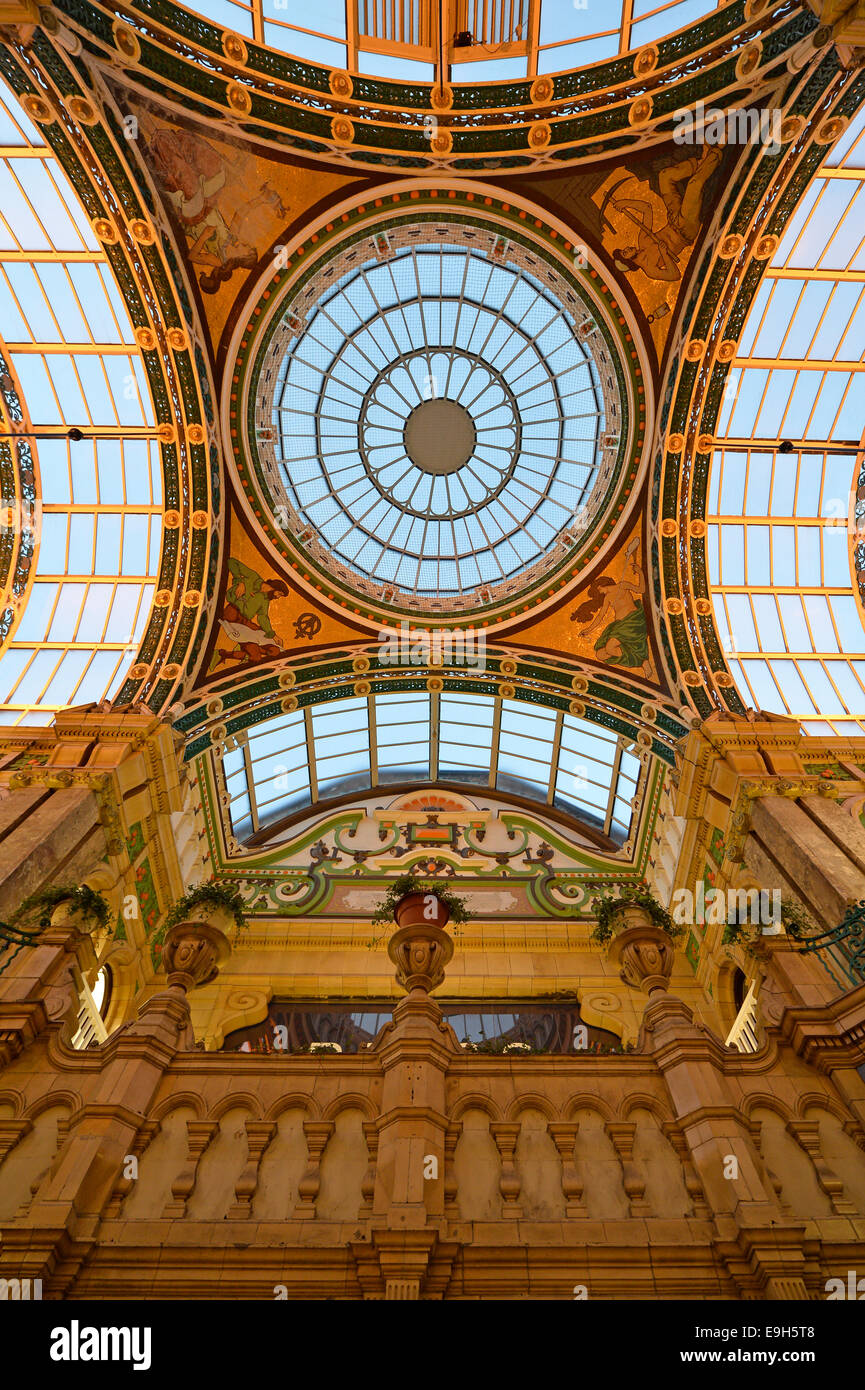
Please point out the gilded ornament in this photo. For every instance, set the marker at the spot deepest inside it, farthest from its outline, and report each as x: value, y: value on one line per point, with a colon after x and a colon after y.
x: 748, y: 60
x: 37, y: 108
x: 442, y: 98
x: 126, y: 41
x: 541, y: 91
x: 442, y: 142
x: 234, y: 48
x: 730, y: 246
x: 105, y: 230
x: 82, y: 110
x: 142, y: 231
x: 830, y: 130
x: 340, y: 84
x: 342, y: 130
x: 239, y: 98
x: 646, y: 60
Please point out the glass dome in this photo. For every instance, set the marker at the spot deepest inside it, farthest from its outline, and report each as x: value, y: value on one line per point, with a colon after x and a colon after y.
x: 438, y: 418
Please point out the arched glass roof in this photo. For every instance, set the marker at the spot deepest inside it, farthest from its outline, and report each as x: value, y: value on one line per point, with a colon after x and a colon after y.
x: 326, y: 751
x: 781, y: 523
x: 439, y: 417
x: 66, y: 333
x: 485, y: 40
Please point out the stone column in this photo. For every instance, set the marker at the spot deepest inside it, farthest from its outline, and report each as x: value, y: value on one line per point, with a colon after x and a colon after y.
x: 415, y: 1050
x: 758, y: 1244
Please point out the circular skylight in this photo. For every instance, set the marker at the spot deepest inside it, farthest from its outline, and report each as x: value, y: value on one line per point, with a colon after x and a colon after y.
x: 437, y: 415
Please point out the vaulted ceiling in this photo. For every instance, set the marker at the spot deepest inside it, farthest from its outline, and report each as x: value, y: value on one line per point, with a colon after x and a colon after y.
x: 239, y: 276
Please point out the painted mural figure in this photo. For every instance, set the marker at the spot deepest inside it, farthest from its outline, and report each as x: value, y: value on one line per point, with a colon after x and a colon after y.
x: 194, y: 175
x: 245, y: 616
x: 624, y: 640
x: 681, y: 185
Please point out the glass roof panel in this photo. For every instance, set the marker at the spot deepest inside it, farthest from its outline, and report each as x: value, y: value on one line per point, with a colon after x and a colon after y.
x: 783, y: 596
x: 356, y: 744
x: 66, y: 333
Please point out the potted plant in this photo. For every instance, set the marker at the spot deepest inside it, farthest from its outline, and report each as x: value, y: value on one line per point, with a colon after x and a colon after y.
x: 640, y: 935
x: 411, y: 901
x: 797, y: 923
x: 35, y: 912
x: 208, y: 902
x: 627, y: 908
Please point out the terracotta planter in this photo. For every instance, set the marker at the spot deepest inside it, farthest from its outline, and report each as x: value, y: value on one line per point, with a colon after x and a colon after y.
x: 645, y: 954
x: 421, y: 954
x: 213, y: 916
x: 192, y: 954
x: 415, y: 908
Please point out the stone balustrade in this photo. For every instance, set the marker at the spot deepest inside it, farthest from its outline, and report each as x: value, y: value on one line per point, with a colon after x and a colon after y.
x: 416, y: 1169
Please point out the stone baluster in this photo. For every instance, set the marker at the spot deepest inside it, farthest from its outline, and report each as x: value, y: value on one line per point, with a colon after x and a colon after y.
x: 772, y: 1180
x: 634, y: 1183
x: 123, y: 1186
x: 451, y: 1188
x: 258, y: 1135
x: 198, y: 1136
x: 564, y: 1135
x: 506, y: 1135
x: 317, y: 1134
x: 693, y: 1186
x: 367, y: 1187
x: 807, y: 1132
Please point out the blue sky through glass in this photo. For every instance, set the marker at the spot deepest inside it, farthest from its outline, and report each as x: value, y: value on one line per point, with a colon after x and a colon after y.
x: 781, y: 526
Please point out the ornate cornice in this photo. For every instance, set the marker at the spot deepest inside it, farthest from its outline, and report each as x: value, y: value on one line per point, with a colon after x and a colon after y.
x: 749, y: 792
x: 362, y: 122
